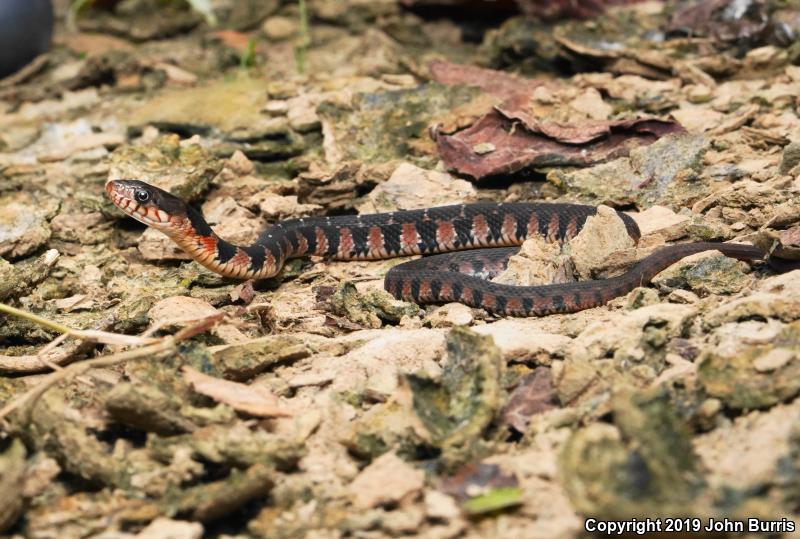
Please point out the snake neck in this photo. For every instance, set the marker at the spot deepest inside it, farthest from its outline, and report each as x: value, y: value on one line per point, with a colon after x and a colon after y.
x: 193, y: 234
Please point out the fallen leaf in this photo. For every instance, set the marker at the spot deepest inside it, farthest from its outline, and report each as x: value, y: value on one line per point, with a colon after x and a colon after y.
x: 494, y: 500
x: 475, y: 478
x: 481, y: 488
x: 250, y: 399
x: 521, y: 141
x: 723, y: 20
x: 534, y: 395
x: 790, y: 237
x: 244, y: 292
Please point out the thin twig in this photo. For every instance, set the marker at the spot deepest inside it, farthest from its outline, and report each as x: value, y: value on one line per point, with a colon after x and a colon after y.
x: 35, y: 318
x: 164, y: 344
x: 42, y: 355
x: 29, y: 398
x: 94, y: 335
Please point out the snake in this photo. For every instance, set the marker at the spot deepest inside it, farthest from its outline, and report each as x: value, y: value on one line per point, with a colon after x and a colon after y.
x: 463, y: 247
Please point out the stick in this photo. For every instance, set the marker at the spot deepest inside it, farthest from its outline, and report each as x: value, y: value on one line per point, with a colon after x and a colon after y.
x: 104, y: 337
x: 164, y: 344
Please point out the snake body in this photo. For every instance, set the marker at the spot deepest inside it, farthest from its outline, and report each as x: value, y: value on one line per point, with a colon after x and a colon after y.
x: 494, y: 230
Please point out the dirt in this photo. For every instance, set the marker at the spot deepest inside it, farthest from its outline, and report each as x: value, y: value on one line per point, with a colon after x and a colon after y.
x: 182, y: 404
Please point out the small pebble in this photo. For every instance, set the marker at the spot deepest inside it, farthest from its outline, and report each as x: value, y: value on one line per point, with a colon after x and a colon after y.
x: 399, y: 79
x: 452, y: 314
x: 699, y: 93
x: 281, y: 89
x: 275, y: 108
x: 680, y: 295
x: 279, y: 28
x: 773, y: 360
x: 483, y: 148
x: 440, y: 506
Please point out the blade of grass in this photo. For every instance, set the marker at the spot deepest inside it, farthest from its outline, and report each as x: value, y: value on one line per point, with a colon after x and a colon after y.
x: 303, y: 38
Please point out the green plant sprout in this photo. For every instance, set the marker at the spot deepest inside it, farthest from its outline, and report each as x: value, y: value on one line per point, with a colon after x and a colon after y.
x: 303, y: 39
x: 248, y: 58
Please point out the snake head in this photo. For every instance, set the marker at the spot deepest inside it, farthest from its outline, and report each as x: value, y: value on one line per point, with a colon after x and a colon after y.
x: 146, y: 203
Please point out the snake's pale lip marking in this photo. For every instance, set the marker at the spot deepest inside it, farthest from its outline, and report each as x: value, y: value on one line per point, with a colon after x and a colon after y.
x: 458, y: 276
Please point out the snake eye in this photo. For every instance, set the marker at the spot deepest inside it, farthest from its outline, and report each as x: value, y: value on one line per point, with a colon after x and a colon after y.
x: 141, y: 195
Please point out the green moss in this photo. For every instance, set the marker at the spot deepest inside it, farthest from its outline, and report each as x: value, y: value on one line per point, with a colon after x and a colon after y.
x: 379, y: 127
x: 712, y: 275
x: 664, y: 172
x: 457, y: 409
x: 369, y: 309
x: 184, y: 170
x: 734, y: 379
x: 243, y: 361
x: 642, y: 466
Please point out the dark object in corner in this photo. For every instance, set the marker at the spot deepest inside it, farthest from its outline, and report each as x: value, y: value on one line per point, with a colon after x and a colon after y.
x: 26, y: 27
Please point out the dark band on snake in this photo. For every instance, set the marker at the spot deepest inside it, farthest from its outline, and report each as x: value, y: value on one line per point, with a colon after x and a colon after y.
x: 493, y: 230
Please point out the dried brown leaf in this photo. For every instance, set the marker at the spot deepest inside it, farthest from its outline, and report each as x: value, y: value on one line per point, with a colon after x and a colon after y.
x: 716, y: 19
x: 475, y: 479
x: 244, y: 292
x: 520, y: 141
x: 535, y: 394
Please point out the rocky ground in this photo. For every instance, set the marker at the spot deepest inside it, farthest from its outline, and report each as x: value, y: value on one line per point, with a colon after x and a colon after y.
x: 143, y: 396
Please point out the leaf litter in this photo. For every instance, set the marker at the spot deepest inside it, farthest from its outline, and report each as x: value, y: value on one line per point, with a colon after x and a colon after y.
x: 313, y: 404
